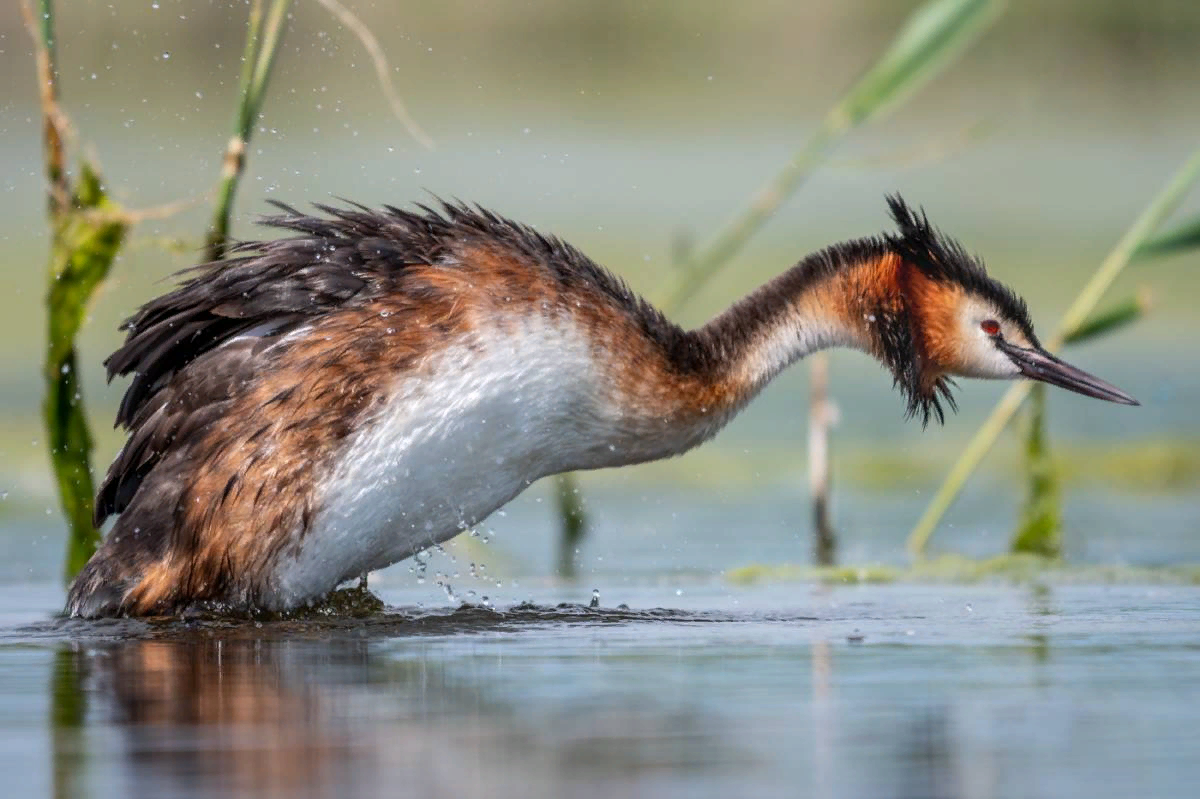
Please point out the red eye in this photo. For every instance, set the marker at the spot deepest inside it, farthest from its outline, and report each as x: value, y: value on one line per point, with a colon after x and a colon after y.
x: 990, y: 326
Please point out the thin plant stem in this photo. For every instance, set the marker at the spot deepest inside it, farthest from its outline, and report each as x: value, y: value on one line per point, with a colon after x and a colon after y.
x: 701, y: 268
x: 244, y: 118
x: 382, y: 70
x: 263, y: 34
x: 53, y: 124
x: 1150, y: 219
x: 930, y: 39
x: 267, y: 52
x: 821, y: 416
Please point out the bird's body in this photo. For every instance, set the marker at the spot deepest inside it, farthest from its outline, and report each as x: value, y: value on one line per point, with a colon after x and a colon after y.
x: 499, y: 407
x: 330, y: 403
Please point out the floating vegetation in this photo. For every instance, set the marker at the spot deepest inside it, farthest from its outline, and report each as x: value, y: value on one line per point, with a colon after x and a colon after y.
x: 1020, y: 567
x: 356, y: 601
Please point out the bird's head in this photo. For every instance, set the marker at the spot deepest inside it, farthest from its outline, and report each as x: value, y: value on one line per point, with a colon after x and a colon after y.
x: 960, y: 322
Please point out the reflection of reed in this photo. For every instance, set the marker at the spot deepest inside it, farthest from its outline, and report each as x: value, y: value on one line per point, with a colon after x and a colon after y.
x: 824, y: 731
x: 68, y: 710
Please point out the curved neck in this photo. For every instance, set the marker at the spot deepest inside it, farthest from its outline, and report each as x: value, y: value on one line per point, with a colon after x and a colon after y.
x: 850, y: 295
x: 846, y: 296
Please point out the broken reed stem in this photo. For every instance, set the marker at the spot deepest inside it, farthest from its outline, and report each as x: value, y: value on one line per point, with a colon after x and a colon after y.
x: 1150, y: 219
x: 821, y: 416
x: 573, y: 518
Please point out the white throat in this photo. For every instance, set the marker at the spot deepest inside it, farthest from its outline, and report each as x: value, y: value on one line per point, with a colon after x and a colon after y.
x: 790, y: 341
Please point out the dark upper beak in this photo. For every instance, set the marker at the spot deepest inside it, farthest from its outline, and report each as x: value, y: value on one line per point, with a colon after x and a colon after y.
x: 1037, y: 364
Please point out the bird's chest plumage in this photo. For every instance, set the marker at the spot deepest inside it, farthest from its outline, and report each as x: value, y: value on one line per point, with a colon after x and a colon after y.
x: 465, y: 432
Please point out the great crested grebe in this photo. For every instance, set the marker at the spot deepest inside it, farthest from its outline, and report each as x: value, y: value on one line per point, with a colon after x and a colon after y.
x: 327, y: 404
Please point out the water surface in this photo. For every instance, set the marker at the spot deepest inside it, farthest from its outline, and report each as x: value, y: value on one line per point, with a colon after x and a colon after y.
x: 901, y: 690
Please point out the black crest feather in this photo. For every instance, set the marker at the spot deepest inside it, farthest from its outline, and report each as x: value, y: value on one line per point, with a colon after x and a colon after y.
x: 942, y: 259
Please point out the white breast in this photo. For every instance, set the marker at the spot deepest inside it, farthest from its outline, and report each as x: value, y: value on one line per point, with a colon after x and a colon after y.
x: 462, y: 435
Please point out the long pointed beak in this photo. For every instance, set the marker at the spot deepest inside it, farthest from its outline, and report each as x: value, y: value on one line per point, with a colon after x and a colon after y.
x: 1037, y: 364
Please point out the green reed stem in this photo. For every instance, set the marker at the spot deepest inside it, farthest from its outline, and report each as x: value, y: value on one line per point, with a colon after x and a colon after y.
x: 86, y: 230
x: 263, y: 35
x: 929, y: 41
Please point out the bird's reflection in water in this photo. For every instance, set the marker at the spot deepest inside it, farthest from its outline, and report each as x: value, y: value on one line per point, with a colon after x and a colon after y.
x: 244, y: 716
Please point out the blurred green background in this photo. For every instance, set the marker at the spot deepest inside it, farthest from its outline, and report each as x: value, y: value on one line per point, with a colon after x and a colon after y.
x: 625, y: 127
